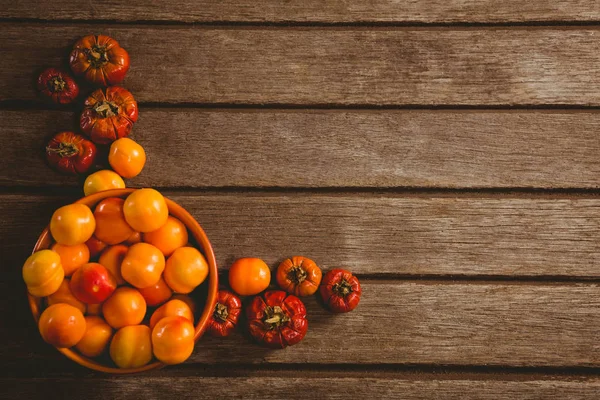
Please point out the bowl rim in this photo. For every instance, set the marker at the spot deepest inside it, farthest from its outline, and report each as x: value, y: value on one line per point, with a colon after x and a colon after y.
x: 213, y: 279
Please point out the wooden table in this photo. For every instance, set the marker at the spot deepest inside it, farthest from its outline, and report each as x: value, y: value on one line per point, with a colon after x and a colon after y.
x: 445, y: 151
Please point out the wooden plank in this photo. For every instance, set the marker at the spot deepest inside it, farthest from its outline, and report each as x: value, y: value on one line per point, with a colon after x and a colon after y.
x: 329, y: 11
x: 425, y: 323
x: 374, y: 234
x: 299, y: 387
x: 333, y: 148
x: 345, y: 66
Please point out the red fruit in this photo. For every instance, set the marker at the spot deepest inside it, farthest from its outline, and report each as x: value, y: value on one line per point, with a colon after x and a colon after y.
x: 340, y: 290
x: 108, y: 114
x: 57, y: 85
x: 70, y: 153
x: 277, y: 319
x: 92, y: 283
x: 226, y: 314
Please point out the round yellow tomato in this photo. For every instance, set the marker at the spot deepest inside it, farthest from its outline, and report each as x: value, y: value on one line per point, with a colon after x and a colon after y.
x: 173, y: 340
x: 102, y: 180
x: 143, y: 265
x: 126, y: 157
x: 62, y: 325
x: 249, y: 276
x: 43, y: 273
x: 72, y: 257
x: 146, y: 210
x: 185, y: 270
x: 125, y: 307
x: 131, y: 347
x: 169, y: 237
x: 157, y: 293
x: 72, y: 224
x: 96, y: 337
x: 64, y: 295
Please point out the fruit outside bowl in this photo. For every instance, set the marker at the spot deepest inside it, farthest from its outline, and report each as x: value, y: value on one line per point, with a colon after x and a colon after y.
x: 45, y: 241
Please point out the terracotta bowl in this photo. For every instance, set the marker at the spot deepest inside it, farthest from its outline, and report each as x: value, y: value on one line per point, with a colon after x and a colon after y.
x: 45, y: 241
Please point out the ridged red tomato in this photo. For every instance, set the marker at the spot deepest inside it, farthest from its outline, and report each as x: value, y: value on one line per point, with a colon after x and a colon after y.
x: 109, y: 114
x: 226, y: 314
x: 70, y: 153
x: 277, y: 319
x: 340, y: 290
x: 58, y: 86
x: 100, y: 59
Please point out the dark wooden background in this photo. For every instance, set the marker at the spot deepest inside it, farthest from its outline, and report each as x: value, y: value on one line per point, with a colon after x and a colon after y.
x: 445, y: 151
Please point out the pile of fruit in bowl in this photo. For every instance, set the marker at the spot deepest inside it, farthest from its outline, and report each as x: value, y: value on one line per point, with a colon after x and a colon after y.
x: 114, y: 281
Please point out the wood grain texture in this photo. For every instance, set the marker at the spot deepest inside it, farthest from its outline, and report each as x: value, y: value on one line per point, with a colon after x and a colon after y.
x: 199, y: 148
x: 275, y: 388
x: 344, y: 66
x: 328, y: 11
x: 400, y: 323
x: 373, y: 234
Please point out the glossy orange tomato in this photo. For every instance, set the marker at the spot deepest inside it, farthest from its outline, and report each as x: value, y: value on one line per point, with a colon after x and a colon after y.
x: 111, y: 227
x: 172, y: 308
x: 96, y: 337
x: 72, y: 257
x: 169, y: 237
x: 156, y: 294
x: 102, y: 180
x: 249, y: 276
x: 95, y: 246
x: 64, y: 295
x: 185, y: 269
x: 146, y: 210
x: 112, y: 258
x: 131, y: 347
x: 143, y: 265
x: 173, y: 340
x: 133, y: 239
x: 127, y: 157
x: 43, y: 273
x: 94, y: 309
x: 125, y: 307
x: 72, y: 224
x: 62, y: 325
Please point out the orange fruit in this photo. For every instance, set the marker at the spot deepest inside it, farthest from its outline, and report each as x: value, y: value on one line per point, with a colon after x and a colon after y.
x: 169, y: 237
x: 96, y: 337
x: 72, y: 257
x: 125, y: 307
x: 102, y: 180
x: 146, y: 210
x: 64, y: 295
x: 157, y: 293
x: 126, y: 157
x: 72, y: 224
x: 172, y: 308
x: 185, y: 269
x: 43, y: 273
x: 111, y: 227
x: 143, y: 265
x: 112, y: 258
x: 173, y: 340
x: 62, y: 325
x: 249, y: 276
x: 131, y: 347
